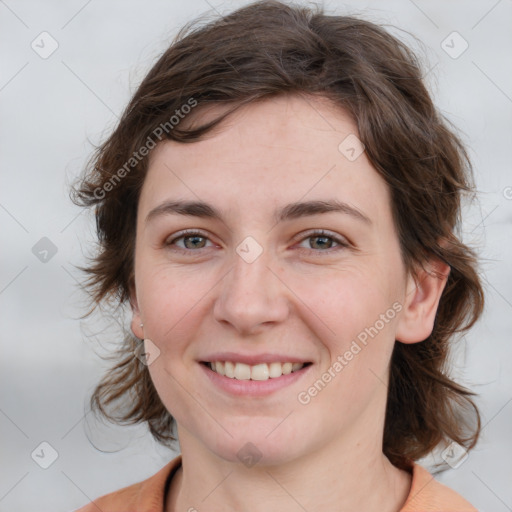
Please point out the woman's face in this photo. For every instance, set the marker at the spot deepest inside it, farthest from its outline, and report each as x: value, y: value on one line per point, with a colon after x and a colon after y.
x: 257, y: 286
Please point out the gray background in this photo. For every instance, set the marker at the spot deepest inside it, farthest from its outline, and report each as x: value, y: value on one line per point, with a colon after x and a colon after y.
x: 53, y: 108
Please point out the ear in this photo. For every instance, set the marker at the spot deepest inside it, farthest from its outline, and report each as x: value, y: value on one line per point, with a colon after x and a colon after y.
x: 136, y: 316
x: 421, y: 302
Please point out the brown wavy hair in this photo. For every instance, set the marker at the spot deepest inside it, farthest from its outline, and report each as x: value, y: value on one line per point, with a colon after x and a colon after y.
x: 265, y: 49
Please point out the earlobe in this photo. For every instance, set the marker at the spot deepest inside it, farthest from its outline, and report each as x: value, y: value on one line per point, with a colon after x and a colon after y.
x: 421, y: 303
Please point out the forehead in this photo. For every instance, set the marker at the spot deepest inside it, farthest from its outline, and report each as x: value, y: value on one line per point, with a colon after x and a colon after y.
x: 266, y: 154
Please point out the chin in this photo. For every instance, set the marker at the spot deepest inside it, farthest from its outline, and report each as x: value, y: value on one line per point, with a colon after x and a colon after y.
x: 257, y: 448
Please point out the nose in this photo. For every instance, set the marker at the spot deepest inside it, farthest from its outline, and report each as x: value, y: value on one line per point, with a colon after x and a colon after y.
x: 252, y: 296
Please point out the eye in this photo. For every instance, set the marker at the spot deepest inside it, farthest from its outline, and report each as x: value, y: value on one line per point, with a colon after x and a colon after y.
x: 191, y: 239
x: 323, y: 240
x: 197, y: 240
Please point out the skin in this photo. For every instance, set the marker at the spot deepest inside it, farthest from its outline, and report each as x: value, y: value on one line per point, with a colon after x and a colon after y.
x: 301, y: 296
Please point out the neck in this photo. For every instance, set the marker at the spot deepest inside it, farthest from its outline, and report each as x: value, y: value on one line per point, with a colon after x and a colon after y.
x: 331, y: 478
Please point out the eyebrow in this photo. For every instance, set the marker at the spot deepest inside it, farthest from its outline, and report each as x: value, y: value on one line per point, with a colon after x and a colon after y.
x: 288, y: 212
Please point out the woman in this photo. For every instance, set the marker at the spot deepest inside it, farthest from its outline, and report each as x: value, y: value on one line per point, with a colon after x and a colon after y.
x: 278, y: 206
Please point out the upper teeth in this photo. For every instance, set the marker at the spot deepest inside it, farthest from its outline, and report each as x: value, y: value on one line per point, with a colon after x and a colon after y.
x: 261, y: 371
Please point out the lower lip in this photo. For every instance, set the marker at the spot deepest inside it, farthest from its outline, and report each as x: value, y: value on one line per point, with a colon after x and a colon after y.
x: 253, y: 387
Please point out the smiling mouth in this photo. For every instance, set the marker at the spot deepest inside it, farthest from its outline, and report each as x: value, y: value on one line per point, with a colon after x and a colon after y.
x: 262, y: 371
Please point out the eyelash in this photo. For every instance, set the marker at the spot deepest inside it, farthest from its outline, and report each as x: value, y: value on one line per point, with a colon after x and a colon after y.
x: 317, y: 233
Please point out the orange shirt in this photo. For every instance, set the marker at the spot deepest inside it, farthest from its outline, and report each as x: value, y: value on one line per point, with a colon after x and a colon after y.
x: 426, y: 494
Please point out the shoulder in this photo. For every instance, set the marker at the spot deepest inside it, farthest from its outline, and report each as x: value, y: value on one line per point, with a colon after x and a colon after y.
x: 429, y: 495
x: 145, y: 496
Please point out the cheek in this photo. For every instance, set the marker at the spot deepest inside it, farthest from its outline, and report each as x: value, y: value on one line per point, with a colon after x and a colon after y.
x: 359, y: 343
x: 347, y: 299
x: 173, y: 303
x: 358, y: 316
